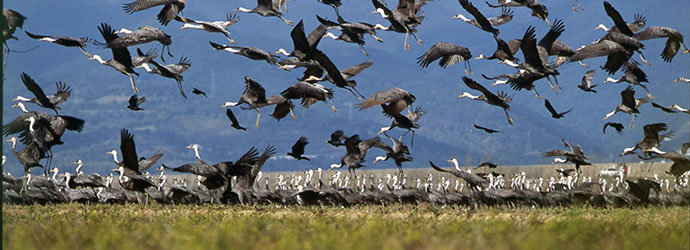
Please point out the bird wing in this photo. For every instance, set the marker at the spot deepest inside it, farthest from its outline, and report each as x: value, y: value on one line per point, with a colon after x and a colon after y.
x: 488, y: 130
x: 557, y: 152
x: 144, y: 4
x: 505, y: 17
x: 129, y: 151
x: 651, y: 131
x: 250, y: 157
x: 14, y: 19
x: 331, y: 70
x: 638, y: 24
x: 232, y: 117
x: 384, y: 96
x: 197, y: 169
x: 180, y: 67
x: 478, y: 16
x: 62, y: 94
x: 352, y: 144
x: 337, y: 135
x: 549, y: 107
x: 298, y: 147
x: 632, y: 67
x: 617, y: 19
x: 72, y: 123
x: 36, y: 36
x: 169, y: 12
x: 529, y: 48
x: 18, y: 124
x: 133, y: 100
x: 628, y: 98
x: 603, y: 48
x: 299, y: 39
x: 415, y: 115
x: 315, y: 36
x: 253, y: 91
x: 665, y: 109
x: 356, y: 69
x: 587, y: 78
x: 476, y: 86
x: 671, y: 49
x: 326, y: 22
x: 32, y: 86
x: 305, y: 90
x: 120, y: 55
x: 556, y: 30
x: 282, y: 109
x: 146, y: 163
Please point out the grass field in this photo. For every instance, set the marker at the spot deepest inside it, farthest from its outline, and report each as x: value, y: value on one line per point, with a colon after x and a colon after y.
x: 367, y: 227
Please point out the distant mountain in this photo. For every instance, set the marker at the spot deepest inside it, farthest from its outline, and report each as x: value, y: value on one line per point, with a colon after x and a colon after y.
x: 169, y: 122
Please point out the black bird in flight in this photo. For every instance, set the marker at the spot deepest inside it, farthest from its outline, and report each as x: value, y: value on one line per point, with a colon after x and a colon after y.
x: 235, y: 124
x: 617, y: 126
x: 554, y: 114
x: 298, y: 149
x: 488, y: 130
x: 135, y: 101
x: 198, y: 92
x: 486, y: 164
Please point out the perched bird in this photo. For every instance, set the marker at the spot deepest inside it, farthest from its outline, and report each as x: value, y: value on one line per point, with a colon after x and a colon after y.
x: 235, y: 124
x: 135, y: 101
x: 298, y: 149
x: 615, y: 125
x: 553, y: 111
x: 488, y: 130
x: 198, y: 92
x: 587, y: 85
x: 170, y: 8
x: 449, y: 53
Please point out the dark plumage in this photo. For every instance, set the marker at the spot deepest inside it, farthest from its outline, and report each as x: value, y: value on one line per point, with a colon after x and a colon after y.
x: 298, y: 149
x: 615, y: 125
x: 488, y: 130
x: 481, y: 21
x: 553, y: 111
x: 662, y: 108
x: 587, y: 85
x: 337, y: 138
x: 51, y: 101
x: 170, y: 8
x: 198, y: 92
x: 449, y: 53
x: 235, y: 124
x: 135, y: 101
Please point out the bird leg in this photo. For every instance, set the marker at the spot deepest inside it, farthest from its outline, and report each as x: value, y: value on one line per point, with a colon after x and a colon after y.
x: 650, y: 166
x: 332, y: 105
x: 377, y: 38
x: 643, y: 59
x: 632, y: 122
x: 134, y: 86
x: 363, y: 50
x: 583, y: 64
x: 407, y: 37
x: 415, y: 38
x: 288, y: 22
x: 258, y: 115
x: 647, y: 91
x: 580, y: 5
x: 230, y: 39
x: 556, y: 80
x: 535, y: 93
x: 510, y: 120
x: 179, y: 86
x: 292, y: 114
x: 551, y: 84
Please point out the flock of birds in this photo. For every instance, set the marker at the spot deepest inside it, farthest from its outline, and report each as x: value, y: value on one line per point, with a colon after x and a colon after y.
x: 240, y: 181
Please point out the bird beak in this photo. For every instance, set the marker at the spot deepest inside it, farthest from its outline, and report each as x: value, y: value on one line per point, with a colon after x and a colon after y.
x: 74, y: 163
